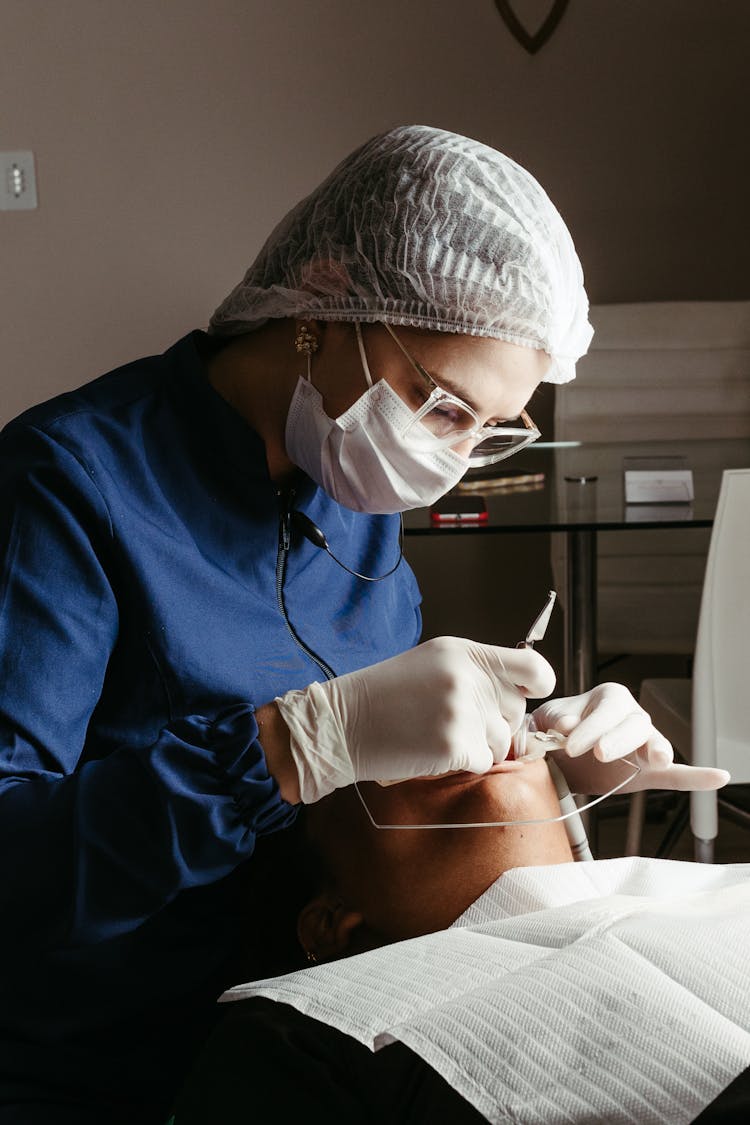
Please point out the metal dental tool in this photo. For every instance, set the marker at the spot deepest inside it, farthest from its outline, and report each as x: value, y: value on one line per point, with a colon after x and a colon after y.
x: 538, y: 626
x: 529, y: 743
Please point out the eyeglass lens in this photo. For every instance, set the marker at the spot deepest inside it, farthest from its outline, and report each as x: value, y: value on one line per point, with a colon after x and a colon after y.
x: 447, y: 419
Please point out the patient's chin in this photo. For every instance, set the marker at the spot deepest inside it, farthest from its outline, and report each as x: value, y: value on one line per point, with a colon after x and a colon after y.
x: 509, y: 790
x: 458, y: 777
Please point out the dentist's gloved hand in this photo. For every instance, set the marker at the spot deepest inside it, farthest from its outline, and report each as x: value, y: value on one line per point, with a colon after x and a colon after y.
x: 447, y: 705
x: 606, y: 724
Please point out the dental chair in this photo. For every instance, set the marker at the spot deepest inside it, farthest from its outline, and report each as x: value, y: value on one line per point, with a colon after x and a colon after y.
x: 707, y: 719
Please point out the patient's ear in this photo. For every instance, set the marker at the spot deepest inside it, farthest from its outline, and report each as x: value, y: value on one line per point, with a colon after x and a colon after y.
x: 326, y: 927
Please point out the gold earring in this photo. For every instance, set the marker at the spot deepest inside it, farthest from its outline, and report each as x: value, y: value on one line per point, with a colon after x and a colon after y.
x: 305, y: 341
x: 311, y: 958
x: 306, y: 344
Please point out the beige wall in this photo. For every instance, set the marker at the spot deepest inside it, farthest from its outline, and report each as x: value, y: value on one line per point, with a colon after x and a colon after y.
x: 171, y: 134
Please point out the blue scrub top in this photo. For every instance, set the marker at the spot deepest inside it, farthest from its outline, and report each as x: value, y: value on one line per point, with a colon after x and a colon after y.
x: 139, y: 628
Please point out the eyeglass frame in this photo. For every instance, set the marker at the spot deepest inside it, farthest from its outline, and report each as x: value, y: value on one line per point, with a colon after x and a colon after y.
x: 528, y: 434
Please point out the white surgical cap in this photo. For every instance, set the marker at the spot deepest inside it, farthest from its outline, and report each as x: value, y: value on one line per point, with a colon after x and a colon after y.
x: 430, y: 229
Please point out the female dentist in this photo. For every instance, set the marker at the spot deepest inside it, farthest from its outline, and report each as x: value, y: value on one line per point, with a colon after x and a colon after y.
x: 182, y: 663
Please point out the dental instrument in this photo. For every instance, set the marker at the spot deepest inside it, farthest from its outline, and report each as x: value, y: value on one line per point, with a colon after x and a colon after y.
x: 529, y: 744
x: 538, y: 626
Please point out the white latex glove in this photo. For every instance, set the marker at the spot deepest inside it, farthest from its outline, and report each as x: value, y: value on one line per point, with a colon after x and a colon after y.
x: 447, y: 705
x: 606, y: 724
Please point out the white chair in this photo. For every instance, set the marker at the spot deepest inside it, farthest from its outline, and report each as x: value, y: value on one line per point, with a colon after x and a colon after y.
x: 708, y: 719
x: 673, y: 369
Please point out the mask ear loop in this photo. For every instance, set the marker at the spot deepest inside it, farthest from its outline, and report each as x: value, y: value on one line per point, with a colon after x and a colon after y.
x: 504, y: 823
x: 362, y: 355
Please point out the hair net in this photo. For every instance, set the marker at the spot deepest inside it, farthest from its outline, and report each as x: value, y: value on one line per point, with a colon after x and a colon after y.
x: 430, y: 229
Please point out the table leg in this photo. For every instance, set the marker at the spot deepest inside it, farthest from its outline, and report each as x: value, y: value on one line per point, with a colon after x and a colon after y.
x: 580, y: 617
x: 580, y: 634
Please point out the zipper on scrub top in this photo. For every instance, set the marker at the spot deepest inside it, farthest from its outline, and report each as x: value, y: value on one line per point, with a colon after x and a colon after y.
x: 286, y: 500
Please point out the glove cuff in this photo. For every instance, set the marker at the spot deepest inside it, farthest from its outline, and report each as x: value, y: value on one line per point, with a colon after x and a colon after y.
x: 317, y: 742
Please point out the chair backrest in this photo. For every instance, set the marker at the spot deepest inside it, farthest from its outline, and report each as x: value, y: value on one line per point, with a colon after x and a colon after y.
x: 721, y: 674
x: 664, y: 369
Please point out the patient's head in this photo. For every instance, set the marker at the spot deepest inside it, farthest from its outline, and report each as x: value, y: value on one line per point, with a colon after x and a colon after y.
x: 336, y: 885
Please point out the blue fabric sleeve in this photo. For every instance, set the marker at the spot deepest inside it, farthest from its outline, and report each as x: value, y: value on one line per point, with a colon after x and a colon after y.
x: 92, y: 844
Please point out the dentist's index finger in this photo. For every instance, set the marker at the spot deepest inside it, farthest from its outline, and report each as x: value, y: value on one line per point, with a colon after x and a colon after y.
x: 524, y: 667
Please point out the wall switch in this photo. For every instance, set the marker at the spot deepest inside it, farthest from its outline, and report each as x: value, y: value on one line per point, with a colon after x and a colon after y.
x: 17, y: 181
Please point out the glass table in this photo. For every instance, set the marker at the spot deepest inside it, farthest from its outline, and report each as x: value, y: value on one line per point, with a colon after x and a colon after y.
x: 583, y: 493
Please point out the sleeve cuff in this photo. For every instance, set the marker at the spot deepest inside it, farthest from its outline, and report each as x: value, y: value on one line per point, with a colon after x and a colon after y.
x: 233, y: 738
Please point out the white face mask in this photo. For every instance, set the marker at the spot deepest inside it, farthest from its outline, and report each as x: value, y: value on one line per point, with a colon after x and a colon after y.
x: 360, y: 458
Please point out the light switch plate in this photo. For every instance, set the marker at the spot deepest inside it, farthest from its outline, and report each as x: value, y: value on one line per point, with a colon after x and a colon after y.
x: 17, y: 181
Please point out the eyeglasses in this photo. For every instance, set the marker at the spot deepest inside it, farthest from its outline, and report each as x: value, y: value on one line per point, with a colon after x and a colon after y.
x: 444, y: 420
